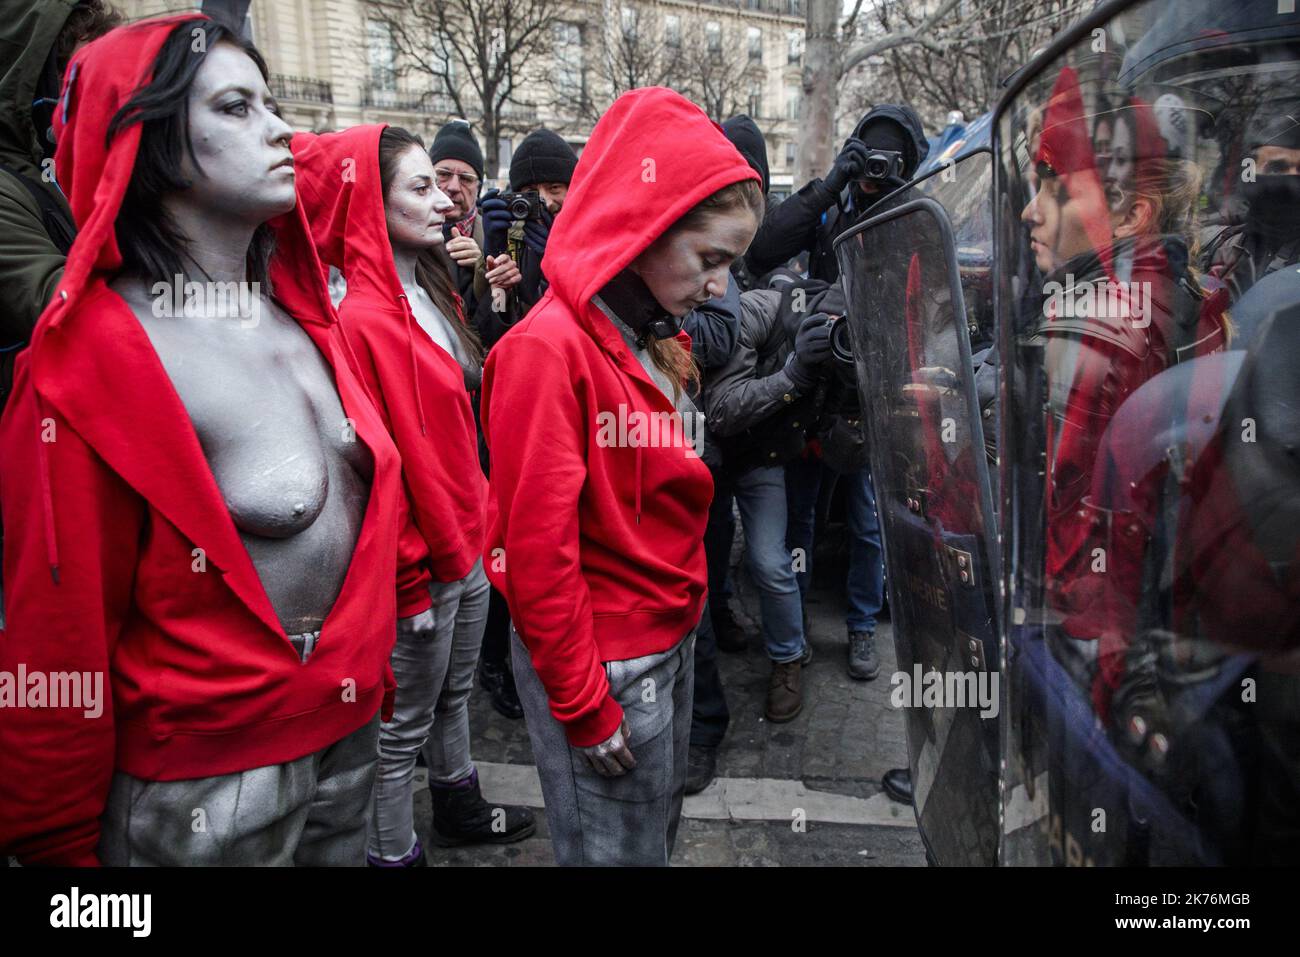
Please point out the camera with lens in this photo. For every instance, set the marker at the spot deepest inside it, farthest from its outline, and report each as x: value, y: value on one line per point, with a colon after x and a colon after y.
x: 842, y: 351
x: 527, y: 205
x: 884, y: 164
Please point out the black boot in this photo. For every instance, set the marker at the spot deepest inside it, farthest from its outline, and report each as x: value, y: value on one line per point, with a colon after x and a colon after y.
x: 898, y: 785
x: 499, y: 683
x: 461, y: 816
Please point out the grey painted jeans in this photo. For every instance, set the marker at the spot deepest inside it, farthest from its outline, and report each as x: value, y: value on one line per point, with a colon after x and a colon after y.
x: 631, y: 819
x: 309, y: 811
x: 431, y: 712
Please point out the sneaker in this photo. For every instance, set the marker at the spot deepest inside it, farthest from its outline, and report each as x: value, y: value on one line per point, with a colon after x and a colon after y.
x: 806, y: 658
x: 785, y: 691
x: 701, y: 768
x: 864, y: 663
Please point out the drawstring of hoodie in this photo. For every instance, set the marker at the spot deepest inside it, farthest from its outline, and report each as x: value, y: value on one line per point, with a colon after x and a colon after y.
x: 410, y: 348
x: 47, y: 495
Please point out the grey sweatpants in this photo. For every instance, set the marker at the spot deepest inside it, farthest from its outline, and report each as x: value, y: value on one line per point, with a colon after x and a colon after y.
x: 309, y: 811
x: 631, y: 819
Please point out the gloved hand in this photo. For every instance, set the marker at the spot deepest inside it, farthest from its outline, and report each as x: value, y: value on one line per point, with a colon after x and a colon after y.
x: 612, y: 757
x: 536, y: 232
x: 496, y: 222
x: 851, y: 164
x: 812, y: 348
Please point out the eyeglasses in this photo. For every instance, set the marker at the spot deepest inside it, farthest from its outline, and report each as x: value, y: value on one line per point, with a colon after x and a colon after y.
x: 468, y: 180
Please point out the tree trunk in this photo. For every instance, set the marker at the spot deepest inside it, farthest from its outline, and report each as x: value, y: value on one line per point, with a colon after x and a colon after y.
x: 817, y: 106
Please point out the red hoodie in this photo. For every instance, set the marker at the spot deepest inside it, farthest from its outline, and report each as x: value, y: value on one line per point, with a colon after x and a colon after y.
x: 599, y: 550
x: 101, y: 525
x: 419, y: 388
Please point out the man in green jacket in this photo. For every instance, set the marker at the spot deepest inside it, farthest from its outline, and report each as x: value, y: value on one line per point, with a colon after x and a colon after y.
x: 37, y: 38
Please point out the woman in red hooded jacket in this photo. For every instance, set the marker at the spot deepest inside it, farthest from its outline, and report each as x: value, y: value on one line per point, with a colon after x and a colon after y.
x: 600, y: 500
x: 376, y: 214
x: 200, y: 500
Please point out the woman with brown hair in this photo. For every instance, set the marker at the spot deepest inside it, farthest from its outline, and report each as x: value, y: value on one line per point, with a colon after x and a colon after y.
x: 600, y: 495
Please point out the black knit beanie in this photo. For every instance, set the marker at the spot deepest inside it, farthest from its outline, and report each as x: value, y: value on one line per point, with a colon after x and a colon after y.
x: 457, y: 141
x: 542, y: 157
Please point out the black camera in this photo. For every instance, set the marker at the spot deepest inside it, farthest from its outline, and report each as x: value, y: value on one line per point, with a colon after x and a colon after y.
x: 841, y: 345
x: 527, y: 205
x: 884, y: 164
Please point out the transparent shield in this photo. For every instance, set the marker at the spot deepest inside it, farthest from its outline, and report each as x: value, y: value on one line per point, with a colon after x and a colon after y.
x: 1147, y: 216
x: 908, y: 325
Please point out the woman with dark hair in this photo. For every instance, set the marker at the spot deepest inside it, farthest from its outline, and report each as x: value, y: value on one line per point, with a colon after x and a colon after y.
x: 1115, y: 244
x: 377, y: 215
x: 201, y: 500
x: 596, y: 538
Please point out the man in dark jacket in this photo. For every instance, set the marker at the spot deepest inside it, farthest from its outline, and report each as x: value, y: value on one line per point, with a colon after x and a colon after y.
x: 810, y: 220
x: 458, y: 172
x: 758, y: 406
x: 37, y: 39
x: 543, y: 163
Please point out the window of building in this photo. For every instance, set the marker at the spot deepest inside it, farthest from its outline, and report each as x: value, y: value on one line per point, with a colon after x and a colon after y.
x: 713, y: 36
x: 756, y: 99
x: 673, y: 30
x: 792, y: 103
x: 754, y: 42
x: 568, y: 58
x: 789, y: 153
x: 382, y: 55
x: 795, y: 46
x: 629, y: 20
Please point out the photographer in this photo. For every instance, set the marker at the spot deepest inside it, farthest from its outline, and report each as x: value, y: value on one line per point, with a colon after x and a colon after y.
x: 516, y: 225
x: 760, y: 405
x: 882, y: 154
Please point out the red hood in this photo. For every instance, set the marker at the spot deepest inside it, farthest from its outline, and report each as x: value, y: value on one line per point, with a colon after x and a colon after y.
x: 651, y: 142
x: 342, y: 196
x: 341, y: 193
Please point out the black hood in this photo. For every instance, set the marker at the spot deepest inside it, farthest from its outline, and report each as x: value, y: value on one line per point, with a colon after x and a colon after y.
x: 915, y: 146
x: 745, y: 136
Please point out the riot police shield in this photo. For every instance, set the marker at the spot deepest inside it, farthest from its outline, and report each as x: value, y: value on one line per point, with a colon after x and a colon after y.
x: 1146, y: 179
x: 908, y: 325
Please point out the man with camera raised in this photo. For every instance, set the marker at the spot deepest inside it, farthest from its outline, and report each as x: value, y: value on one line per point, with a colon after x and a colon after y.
x: 516, y: 225
x: 883, y: 153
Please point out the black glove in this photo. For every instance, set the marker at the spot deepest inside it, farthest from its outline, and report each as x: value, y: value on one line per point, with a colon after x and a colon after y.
x: 812, y: 348
x: 536, y: 232
x: 851, y: 164
x: 496, y: 222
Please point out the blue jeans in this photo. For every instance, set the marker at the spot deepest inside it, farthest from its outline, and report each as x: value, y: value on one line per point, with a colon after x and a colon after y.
x: 760, y: 493
x: 866, y: 580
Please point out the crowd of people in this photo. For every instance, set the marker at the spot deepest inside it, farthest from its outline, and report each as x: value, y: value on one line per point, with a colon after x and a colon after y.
x: 291, y: 525
x: 446, y: 432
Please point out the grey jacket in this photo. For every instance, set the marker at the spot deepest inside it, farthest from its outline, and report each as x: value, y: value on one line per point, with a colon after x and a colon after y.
x: 752, y: 384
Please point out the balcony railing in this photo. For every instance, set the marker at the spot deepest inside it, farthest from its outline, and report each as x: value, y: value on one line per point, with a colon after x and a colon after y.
x: 301, y: 88
x: 407, y: 101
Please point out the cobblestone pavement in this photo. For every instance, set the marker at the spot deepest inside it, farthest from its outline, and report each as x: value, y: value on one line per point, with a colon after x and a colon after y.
x: 847, y: 736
